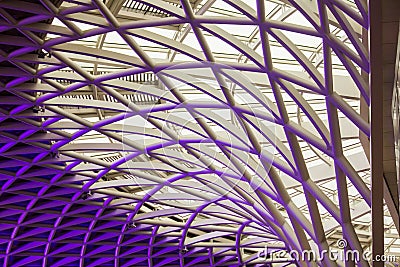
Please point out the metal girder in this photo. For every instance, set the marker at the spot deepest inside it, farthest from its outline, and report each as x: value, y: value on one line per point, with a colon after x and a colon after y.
x: 126, y: 144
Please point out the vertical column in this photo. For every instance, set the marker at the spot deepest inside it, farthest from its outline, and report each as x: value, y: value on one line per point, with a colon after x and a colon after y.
x: 376, y: 157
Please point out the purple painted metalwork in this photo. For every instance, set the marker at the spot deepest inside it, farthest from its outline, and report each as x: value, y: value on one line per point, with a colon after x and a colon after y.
x: 181, y: 133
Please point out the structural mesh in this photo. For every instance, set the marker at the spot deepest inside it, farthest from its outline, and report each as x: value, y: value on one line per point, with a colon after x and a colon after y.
x: 191, y: 133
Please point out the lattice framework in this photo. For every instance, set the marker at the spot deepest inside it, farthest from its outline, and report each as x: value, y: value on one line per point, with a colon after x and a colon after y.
x: 283, y: 166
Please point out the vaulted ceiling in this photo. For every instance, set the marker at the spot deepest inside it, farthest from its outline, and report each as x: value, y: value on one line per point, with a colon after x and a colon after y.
x: 183, y: 133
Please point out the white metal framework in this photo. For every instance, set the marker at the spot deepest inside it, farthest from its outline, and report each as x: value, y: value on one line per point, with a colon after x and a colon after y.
x: 184, y: 133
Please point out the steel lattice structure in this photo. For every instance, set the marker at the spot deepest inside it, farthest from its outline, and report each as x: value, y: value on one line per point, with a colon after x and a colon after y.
x: 183, y: 133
